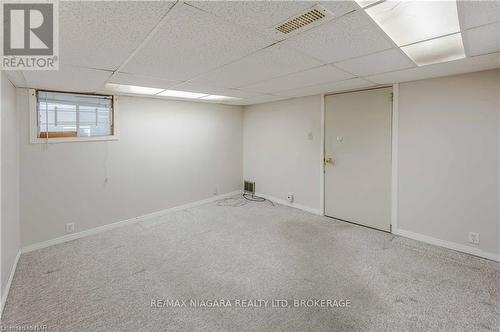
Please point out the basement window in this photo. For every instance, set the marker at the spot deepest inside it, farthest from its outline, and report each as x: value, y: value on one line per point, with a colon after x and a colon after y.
x: 69, y: 117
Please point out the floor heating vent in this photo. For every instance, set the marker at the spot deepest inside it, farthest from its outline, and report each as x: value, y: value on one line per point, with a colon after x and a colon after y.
x: 249, y: 187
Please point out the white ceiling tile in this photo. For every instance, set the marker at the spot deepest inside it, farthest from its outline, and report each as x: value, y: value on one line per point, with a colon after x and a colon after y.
x: 67, y: 78
x: 381, y: 62
x: 239, y: 93
x: 262, y: 99
x: 352, y: 35
x: 355, y: 83
x: 15, y: 77
x: 140, y: 80
x: 461, y: 66
x: 102, y: 34
x: 483, y: 40
x: 191, y: 42
x: 259, y: 16
x: 314, y: 76
x: 194, y: 87
x: 268, y: 63
x: 340, y: 8
x: 476, y: 13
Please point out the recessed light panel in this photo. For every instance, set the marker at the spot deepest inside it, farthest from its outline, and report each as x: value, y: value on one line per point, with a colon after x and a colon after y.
x: 182, y: 94
x: 219, y: 98
x: 132, y: 89
x: 408, y: 22
x: 437, y: 50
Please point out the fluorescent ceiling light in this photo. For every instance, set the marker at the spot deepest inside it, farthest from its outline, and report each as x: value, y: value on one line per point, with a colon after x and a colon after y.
x: 437, y: 50
x: 181, y: 94
x: 408, y: 22
x: 219, y: 98
x: 427, y: 31
x: 165, y: 93
x: 132, y: 89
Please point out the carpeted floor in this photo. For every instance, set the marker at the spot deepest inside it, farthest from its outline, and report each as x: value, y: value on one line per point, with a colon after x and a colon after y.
x: 237, y: 250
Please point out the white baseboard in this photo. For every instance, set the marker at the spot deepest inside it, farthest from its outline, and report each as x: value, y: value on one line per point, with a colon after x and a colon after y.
x: 5, y: 292
x: 447, y: 244
x: 294, y: 205
x: 100, y: 229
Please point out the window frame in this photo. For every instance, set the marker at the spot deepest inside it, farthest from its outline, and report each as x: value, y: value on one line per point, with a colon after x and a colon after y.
x: 33, y: 110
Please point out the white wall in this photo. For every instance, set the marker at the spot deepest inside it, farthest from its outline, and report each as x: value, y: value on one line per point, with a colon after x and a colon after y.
x: 169, y: 153
x: 449, y: 148
x: 449, y: 152
x: 10, y: 238
x: 278, y: 153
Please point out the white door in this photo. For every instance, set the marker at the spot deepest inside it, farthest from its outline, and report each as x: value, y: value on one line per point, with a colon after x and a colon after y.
x: 358, y: 157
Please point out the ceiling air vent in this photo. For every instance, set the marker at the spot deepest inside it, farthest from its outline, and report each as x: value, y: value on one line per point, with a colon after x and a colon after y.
x: 306, y: 20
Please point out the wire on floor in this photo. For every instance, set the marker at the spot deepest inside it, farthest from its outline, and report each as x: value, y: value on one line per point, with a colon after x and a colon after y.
x: 253, y: 198
x: 232, y: 202
x: 241, y: 200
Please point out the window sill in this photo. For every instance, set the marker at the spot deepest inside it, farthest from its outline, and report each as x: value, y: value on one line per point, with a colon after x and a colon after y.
x: 74, y: 139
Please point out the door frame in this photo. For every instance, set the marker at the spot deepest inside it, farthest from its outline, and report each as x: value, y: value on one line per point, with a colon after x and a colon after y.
x: 394, y: 151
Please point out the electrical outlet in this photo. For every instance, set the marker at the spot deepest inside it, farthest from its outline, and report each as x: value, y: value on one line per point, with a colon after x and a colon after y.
x: 70, y: 228
x: 290, y: 198
x: 474, y: 238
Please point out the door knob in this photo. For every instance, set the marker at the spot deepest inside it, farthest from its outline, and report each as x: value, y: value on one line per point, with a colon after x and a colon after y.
x: 329, y: 161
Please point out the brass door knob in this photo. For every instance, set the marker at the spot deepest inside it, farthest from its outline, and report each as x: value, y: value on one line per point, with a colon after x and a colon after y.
x: 329, y: 161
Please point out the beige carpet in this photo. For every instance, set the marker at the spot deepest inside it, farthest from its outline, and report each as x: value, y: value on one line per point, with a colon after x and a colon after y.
x: 237, y: 251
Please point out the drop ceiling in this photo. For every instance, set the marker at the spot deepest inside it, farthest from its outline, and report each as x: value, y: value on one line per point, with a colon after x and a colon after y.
x: 230, y: 48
